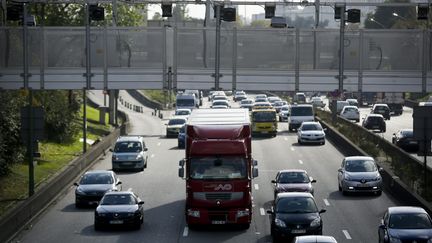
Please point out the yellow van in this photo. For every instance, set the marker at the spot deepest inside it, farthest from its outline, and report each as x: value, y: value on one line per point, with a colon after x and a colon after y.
x: 264, y: 122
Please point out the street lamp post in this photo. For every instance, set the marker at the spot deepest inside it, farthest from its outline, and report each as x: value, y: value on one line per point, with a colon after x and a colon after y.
x: 373, y: 20
x: 397, y: 15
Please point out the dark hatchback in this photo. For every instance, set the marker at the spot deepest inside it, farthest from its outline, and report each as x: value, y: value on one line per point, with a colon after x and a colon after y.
x: 405, y: 224
x: 181, y: 137
x: 374, y: 122
x: 293, y: 180
x: 119, y: 209
x: 293, y: 214
x: 93, y: 185
x: 404, y: 139
x: 382, y: 109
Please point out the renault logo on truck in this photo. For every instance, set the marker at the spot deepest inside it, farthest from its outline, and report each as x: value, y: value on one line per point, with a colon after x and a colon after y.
x: 223, y: 187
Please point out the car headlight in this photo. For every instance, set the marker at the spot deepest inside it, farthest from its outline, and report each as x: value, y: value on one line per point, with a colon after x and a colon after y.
x: 130, y: 214
x: 101, y: 214
x: 315, y: 223
x: 394, y: 240
x: 347, y: 177
x: 280, y: 223
x: 79, y: 191
x: 114, y: 158
x: 378, y: 178
x: 139, y: 157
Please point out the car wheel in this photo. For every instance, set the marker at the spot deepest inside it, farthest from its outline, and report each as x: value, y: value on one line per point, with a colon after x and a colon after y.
x: 358, y: 120
x: 323, y: 143
x: 298, y: 141
x: 97, y: 226
x: 275, y: 238
x: 244, y: 226
x: 378, y: 193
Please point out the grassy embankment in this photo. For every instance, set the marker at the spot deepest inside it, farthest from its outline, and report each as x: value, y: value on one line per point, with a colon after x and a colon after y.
x: 54, y: 157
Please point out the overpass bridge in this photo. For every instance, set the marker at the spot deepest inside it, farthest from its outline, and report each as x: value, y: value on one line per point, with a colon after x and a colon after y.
x: 184, y: 58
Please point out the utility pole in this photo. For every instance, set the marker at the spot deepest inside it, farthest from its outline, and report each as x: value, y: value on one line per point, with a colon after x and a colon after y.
x: 217, y: 51
x: 341, y: 48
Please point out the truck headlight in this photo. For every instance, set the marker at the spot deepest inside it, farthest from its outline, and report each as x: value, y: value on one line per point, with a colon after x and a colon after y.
x: 315, y: 223
x: 242, y: 213
x: 280, y: 223
x: 193, y: 213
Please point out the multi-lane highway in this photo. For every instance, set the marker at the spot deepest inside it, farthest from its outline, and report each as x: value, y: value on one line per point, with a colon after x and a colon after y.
x: 352, y: 218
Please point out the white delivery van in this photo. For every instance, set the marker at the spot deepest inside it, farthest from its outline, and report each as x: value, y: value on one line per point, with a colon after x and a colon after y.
x: 186, y: 101
x: 299, y: 114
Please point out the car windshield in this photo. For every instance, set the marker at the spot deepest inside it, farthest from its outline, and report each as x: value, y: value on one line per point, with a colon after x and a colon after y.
x: 127, y: 147
x: 173, y: 122
x: 92, y: 179
x: 380, y: 108
x: 374, y: 119
x: 293, y: 177
x: 185, y: 102
x: 220, y: 103
x: 360, y: 166
x: 410, y: 221
x: 216, y: 168
x: 246, y: 102
x: 301, y: 111
x: 311, y: 127
x: 182, y: 112
x: 350, y: 109
x: 118, y: 199
x: 264, y: 116
x: 284, y: 108
x: 407, y: 133
x: 296, y: 205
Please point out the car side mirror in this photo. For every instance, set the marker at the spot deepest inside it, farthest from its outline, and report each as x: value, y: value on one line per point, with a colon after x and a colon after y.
x: 273, y: 181
x: 111, y: 150
x: 269, y: 211
x: 141, y: 203
x: 145, y: 149
x: 254, y: 162
x: 76, y: 184
x: 255, y: 172
x: 394, y: 134
x: 380, y: 169
x: 340, y: 170
x: 181, y: 163
x: 381, y: 226
x: 322, y: 211
x: 119, y: 182
x: 313, y: 181
x: 181, y: 172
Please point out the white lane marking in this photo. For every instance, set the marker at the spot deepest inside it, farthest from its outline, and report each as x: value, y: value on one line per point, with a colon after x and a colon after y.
x: 292, y: 149
x: 347, y: 235
x: 326, y: 202
x: 300, y: 161
x: 286, y: 139
x: 262, y: 211
x: 129, y: 189
x: 152, y: 156
x: 256, y: 187
x: 159, y: 144
x: 185, y: 231
x: 257, y: 233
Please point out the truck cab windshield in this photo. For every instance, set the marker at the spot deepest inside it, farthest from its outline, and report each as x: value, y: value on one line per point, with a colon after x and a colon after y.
x: 218, y: 168
x: 301, y: 111
x: 264, y: 116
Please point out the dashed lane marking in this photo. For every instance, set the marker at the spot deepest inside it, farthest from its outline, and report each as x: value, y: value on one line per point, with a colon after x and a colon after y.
x: 256, y: 187
x: 159, y: 144
x: 285, y: 138
x: 185, y: 231
x: 347, y: 235
x: 152, y: 156
x: 326, y: 202
x: 292, y: 149
x: 300, y: 161
x: 129, y: 189
x: 262, y: 211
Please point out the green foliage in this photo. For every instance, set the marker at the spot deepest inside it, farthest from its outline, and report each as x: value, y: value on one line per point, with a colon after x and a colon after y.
x: 159, y: 96
x: 11, y: 148
x: 61, y: 109
x: 260, y: 23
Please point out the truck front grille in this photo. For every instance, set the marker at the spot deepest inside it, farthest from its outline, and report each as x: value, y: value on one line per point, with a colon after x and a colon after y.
x: 213, y: 196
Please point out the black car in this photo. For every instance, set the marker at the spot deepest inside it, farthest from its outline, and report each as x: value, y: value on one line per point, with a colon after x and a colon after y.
x: 293, y: 180
x: 119, y: 208
x: 374, y: 122
x: 93, y: 185
x: 396, y: 109
x: 382, y: 109
x: 405, y: 224
x: 404, y: 138
x: 293, y: 214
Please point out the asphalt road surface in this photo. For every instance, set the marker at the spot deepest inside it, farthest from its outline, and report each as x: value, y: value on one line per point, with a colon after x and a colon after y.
x: 352, y: 218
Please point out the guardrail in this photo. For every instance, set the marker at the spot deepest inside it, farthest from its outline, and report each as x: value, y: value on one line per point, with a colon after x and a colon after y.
x: 393, y: 183
x: 17, y: 218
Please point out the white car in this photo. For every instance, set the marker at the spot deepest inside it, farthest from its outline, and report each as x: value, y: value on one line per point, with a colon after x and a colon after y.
x: 317, y: 102
x: 310, y: 132
x: 350, y: 112
x: 183, y: 112
x: 284, y: 113
x: 220, y: 104
x: 239, y: 96
x: 247, y: 104
x: 173, y: 126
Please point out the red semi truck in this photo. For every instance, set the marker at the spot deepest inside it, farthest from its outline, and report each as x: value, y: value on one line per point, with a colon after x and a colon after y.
x: 218, y: 167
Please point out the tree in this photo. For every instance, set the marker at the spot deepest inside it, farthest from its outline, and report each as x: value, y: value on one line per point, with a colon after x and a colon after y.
x: 384, y: 17
x: 260, y: 23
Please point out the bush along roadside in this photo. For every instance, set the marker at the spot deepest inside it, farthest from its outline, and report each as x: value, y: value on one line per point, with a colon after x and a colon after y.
x: 408, y: 169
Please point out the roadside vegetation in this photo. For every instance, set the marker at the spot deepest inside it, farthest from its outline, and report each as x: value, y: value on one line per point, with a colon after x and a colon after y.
x: 63, y: 133
x: 159, y: 96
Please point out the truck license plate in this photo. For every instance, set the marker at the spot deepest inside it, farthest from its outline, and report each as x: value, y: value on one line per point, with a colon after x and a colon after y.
x: 218, y: 222
x: 116, y: 222
x: 298, y: 231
